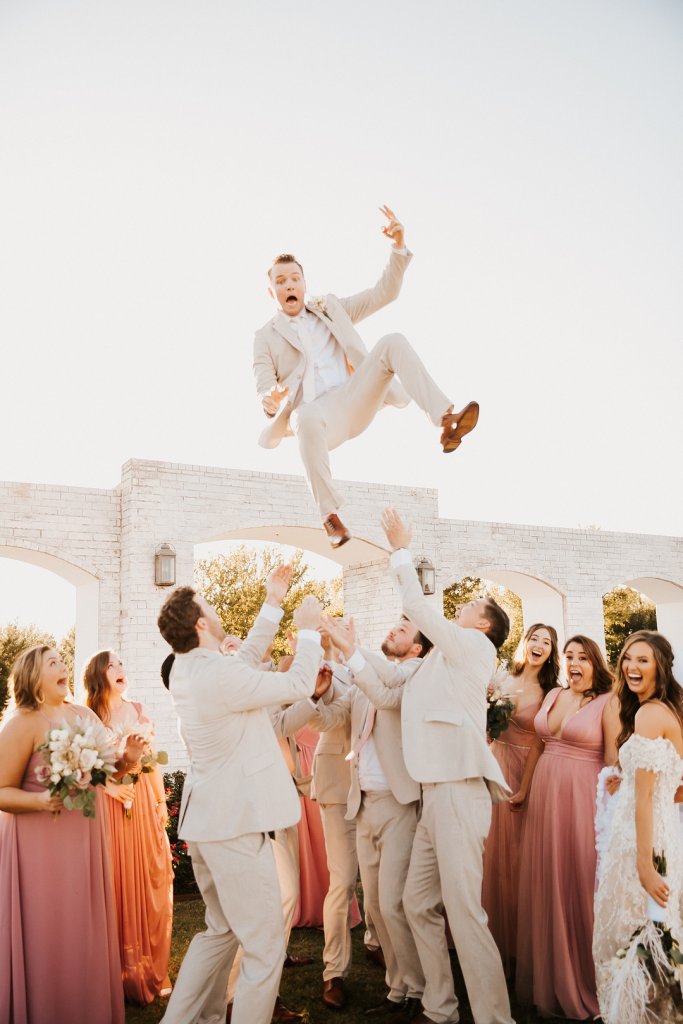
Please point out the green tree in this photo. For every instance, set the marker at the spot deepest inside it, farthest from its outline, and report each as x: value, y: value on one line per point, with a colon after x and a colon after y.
x: 13, y: 640
x: 625, y: 612
x: 235, y: 585
x: 67, y: 651
x: 470, y: 587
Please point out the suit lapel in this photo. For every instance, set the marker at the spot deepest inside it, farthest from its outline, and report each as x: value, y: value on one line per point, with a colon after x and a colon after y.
x: 286, y: 330
x: 327, y: 320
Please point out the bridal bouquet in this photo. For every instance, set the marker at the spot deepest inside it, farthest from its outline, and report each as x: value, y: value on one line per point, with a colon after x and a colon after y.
x: 76, y: 758
x: 499, y: 707
x: 649, y: 968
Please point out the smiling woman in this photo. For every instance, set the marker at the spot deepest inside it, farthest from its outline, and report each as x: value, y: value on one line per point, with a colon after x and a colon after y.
x: 55, y: 881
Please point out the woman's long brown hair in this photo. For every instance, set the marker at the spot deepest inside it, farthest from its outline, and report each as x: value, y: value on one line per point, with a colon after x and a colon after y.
x: 96, y: 685
x: 667, y: 689
x: 548, y: 677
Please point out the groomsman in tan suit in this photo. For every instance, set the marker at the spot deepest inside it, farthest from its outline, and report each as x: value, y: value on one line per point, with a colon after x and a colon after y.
x: 443, y: 721
x: 316, y: 379
x: 329, y: 788
x: 383, y: 800
x: 238, y: 790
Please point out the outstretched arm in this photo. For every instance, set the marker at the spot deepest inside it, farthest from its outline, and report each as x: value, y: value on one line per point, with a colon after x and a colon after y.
x: 365, y: 303
x: 268, y: 620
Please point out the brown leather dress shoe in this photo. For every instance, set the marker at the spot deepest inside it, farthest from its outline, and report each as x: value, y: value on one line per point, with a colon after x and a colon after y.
x: 334, y: 994
x: 298, y: 961
x: 456, y: 424
x: 386, y: 1009
x: 336, y: 531
x: 281, y: 1015
x: 376, y: 957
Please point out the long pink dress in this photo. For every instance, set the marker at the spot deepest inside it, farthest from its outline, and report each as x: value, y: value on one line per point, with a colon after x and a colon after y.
x: 59, y: 958
x: 313, y: 874
x: 143, y: 889
x: 555, y: 970
x: 500, y: 891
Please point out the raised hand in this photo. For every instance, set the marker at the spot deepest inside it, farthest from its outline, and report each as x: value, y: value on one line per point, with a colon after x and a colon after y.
x: 271, y: 401
x: 398, y: 533
x: 230, y: 644
x: 307, y: 615
x: 278, y: 584
x: 394, y: 229
x: 323, y: 682
x: 342, y: 634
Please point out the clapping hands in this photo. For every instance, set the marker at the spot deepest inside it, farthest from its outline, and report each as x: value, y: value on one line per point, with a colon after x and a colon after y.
x: 278, y: 584
x: 342, y: 634
x: 307, y: 615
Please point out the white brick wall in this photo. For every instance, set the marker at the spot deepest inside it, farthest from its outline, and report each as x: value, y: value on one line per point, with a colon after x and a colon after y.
x: 110, y: 537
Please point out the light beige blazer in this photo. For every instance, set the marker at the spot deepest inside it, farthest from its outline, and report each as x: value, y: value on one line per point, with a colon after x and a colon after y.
x: 280, y: 359
x: 238, y: 782
x: 352, y: 709
x: 443, y: 712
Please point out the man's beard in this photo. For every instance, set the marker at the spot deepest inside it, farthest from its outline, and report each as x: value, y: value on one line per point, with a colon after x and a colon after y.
x: 389, y: 650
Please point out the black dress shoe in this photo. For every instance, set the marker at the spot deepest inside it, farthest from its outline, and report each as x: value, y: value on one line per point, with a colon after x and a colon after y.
x: 412, y: 1006
x: 387, y: 1008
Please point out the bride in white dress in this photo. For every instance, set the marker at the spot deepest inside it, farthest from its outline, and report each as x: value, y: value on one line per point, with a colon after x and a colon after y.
x: 645, y: 822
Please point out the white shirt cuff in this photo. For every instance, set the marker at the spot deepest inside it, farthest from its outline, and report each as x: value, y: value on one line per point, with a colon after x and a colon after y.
x: 403, y: 251
x: 273, y: 614
x: 356, y: 663
x: 400, y: 557
x: 310, y: 634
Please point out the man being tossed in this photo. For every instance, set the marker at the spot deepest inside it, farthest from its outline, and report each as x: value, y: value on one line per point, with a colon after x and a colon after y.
x: 316, y: 378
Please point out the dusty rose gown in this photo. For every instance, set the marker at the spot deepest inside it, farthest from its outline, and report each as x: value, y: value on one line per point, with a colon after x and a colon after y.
x: 59, y: 958
x: 143, y: 889
x: 555, y: 970
x: 503, y: 845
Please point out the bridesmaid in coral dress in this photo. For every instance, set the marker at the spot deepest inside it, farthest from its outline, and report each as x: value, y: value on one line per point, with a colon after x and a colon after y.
x: 576, y: 731
x: 529, y: 681
x: 141, y: 856
x: 59, y: 958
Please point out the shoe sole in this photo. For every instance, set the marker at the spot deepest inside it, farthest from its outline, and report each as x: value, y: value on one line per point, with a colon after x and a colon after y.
x: 466, y: 423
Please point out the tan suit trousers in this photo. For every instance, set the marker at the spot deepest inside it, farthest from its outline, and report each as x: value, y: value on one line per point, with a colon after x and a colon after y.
x: 342, y: 863
x: 239, y: 884
x: 346, y: 411
x: 285, y: 848
x: 446, y: 864
x: 385, y: 830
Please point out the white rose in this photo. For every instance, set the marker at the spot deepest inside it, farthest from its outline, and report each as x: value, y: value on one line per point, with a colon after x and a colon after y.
x: 88, y: 759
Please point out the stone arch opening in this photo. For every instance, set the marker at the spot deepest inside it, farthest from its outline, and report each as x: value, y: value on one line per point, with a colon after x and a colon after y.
x: 87, y: 587
x: 668, y: 600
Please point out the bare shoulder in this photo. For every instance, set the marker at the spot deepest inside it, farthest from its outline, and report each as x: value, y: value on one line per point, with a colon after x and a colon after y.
x: 23, y: 728
x: 653, y: 720
x: 611, y: 708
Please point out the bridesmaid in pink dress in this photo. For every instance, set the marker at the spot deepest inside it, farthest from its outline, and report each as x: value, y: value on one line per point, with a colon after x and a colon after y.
x: 530, y: 680
x: 576, y: 731
x: 141, y: 856
x: 59, y: 958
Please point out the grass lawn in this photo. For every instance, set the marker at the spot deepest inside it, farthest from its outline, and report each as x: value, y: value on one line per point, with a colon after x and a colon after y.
x: 301, y: 986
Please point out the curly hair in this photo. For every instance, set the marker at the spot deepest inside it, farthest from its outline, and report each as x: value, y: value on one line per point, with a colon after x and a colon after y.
x: 178, y: 618
x: 548, y: 675
x: 667, y: 689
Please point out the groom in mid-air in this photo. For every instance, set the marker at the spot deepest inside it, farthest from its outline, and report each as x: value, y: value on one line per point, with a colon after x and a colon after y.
x: 317, y: 380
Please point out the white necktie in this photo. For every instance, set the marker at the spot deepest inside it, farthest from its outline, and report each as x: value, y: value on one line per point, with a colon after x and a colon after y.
x: 306, y: 340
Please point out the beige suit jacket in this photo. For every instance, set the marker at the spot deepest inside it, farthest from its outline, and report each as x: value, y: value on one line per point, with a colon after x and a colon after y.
x: 443, y: 712
x: 353, y: 709
x: 331, y: 771
x: 238, y: 782
x: 280, y: 359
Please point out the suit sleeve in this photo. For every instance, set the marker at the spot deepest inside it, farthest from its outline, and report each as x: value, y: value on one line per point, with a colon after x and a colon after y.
x: 287, y: 721
x: 244, y: 688
x: 327, y: 717
x: 264, y: 369
x: 384, y: 695
x: 257, y: 639
x: 452, y: 640
x: 364, y: 303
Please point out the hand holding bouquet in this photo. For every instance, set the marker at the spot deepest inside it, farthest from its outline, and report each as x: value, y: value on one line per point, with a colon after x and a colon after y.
x: 499, y: 707
x: 76, y: 758
x: 147, y: 763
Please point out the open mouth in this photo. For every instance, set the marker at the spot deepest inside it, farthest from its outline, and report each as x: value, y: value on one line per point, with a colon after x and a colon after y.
x: 291, y: 300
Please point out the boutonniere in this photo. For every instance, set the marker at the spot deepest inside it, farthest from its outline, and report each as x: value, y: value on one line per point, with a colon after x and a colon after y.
x: 320, y: 304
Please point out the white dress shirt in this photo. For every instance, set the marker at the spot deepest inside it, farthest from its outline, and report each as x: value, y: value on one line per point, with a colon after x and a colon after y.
x: 329, y: 362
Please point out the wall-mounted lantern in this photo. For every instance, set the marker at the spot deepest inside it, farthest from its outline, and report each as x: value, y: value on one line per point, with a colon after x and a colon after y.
x: 426, y: 574
x: 164, y: 566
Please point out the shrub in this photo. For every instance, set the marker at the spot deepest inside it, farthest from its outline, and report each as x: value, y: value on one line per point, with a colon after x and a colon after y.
x: 183, y: 880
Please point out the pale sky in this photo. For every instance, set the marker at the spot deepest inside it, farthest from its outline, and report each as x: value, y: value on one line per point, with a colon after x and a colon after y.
x: 157, y: 155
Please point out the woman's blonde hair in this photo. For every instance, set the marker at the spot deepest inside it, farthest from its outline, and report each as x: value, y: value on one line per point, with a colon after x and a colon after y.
x: 24, y: 680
